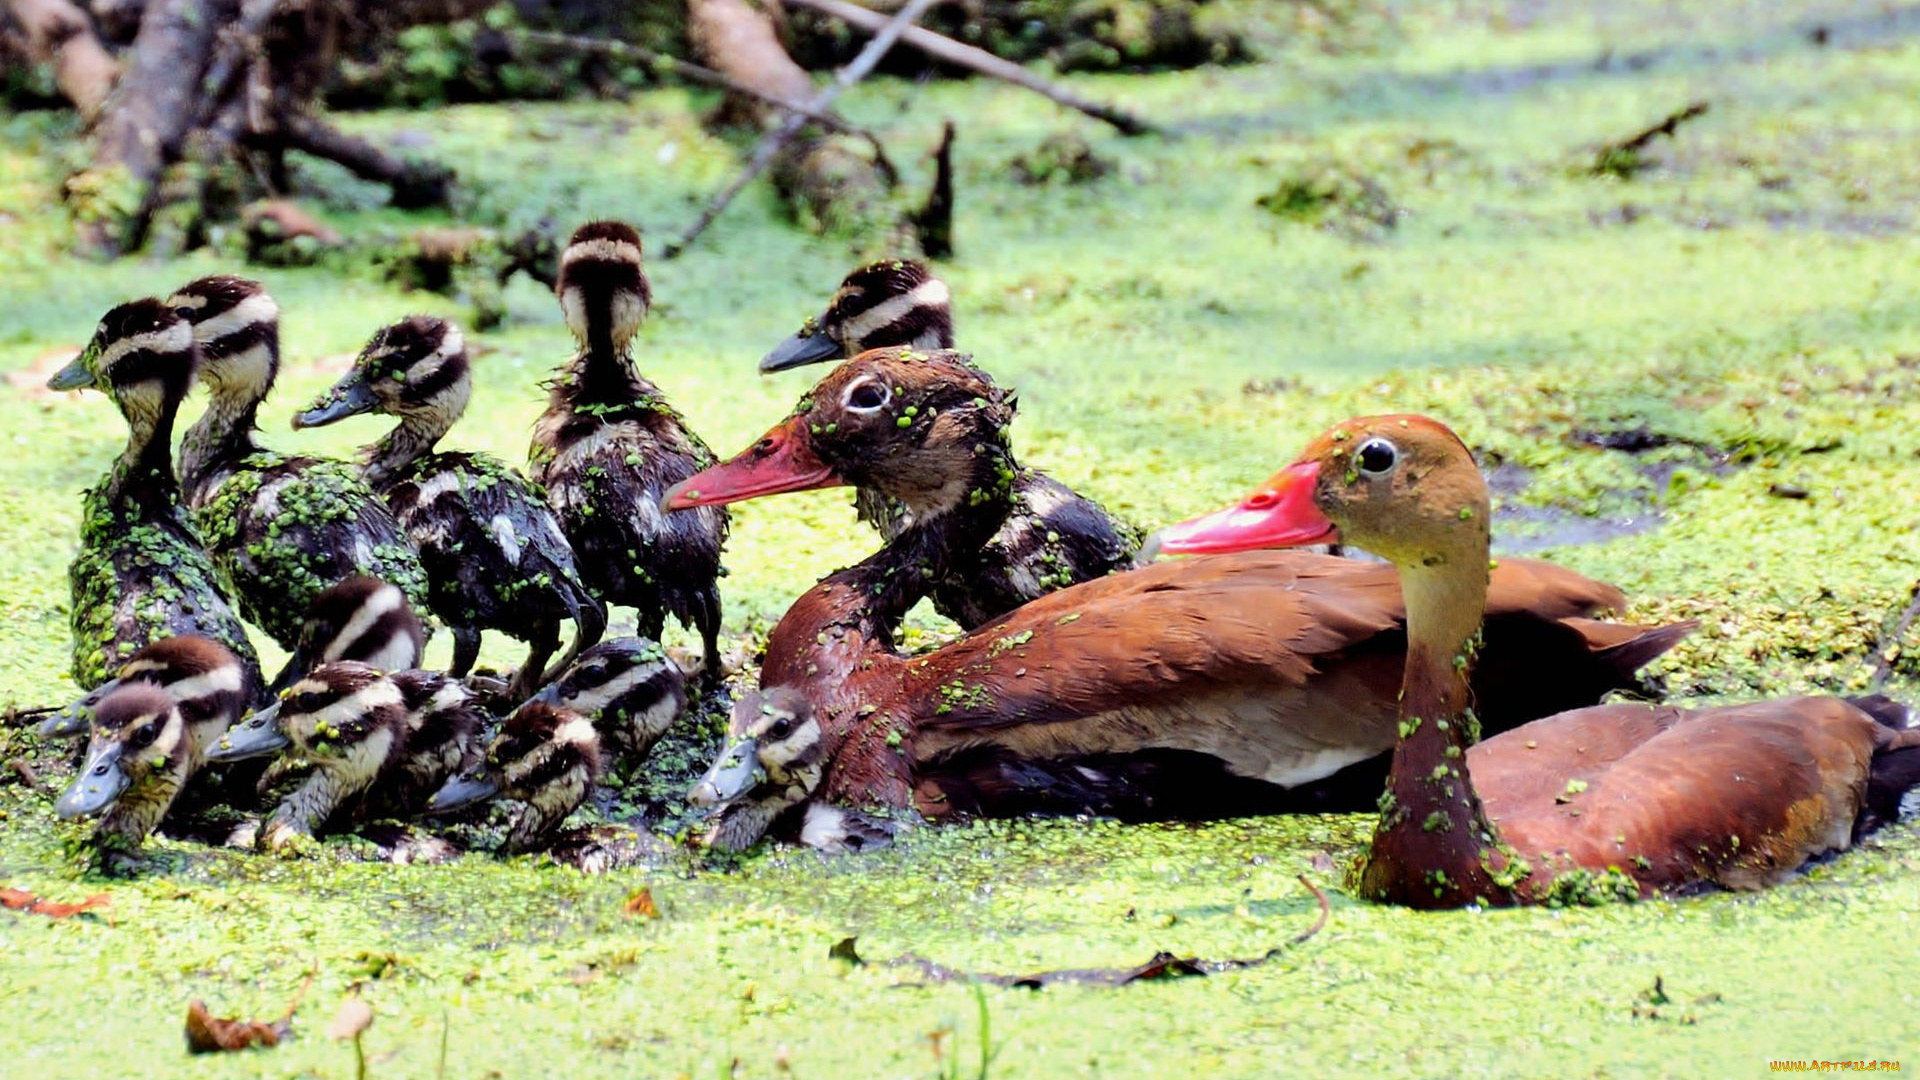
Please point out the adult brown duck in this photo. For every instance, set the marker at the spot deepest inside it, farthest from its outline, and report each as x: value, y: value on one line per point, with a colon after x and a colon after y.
x: 927, y: 433
x: 1210, y: 686
x: 1617, y: 800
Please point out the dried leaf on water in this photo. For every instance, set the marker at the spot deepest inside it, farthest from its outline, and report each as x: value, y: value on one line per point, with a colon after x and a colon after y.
x: 210, y: 1034
x: 640, y: 905
x: 22, y: 900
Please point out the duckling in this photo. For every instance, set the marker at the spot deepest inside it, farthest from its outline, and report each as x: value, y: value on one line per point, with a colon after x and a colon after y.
x: 142, y: 573
x: 348, y: 719
x: 494, y: 553
x: 890, y: 302
x: 361, y: 618
x: 280, y: 528
x: 444, y: 722
x: 547, y: 758
x: 628, y: 687
x: 927, y: 434
x: 200, y: 675
x: 609, y: 445
x: 139, y: 757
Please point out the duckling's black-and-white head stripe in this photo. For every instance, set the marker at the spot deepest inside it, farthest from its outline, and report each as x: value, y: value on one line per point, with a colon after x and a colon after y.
x: 629, y: 686
x: 140, y: 343
x: 602, y: 283
x: 539, y: 745
x: 342, y: 702
x: 365, y: 619
x: 418, y: 365
x: 892, y: 302
x: 237, y: 325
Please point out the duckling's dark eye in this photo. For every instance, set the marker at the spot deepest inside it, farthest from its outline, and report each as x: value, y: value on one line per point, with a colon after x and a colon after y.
x: 781, y: 728
x: 144, y: 735
x: 868, y: 396
x: 306, y: 703
x: 593, y: 671
x: 1376, y: 457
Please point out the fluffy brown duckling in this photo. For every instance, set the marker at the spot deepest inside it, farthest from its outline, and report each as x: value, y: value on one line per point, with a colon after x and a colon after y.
x: 379, y: 743
x: 349, y: 720
x: 609, y: 445
x: 547, y: 758
x: 140, y: 755
x: 200, y: 675
x: 281, y: 528
x: 494, y: 552
x: 929, y: 432
x: 142, y: 573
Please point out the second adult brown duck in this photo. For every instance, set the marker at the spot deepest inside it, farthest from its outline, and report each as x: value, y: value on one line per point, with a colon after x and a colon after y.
x: 1192, y: 689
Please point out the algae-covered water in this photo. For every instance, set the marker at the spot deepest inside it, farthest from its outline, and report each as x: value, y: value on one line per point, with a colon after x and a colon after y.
x: 1712, y: 364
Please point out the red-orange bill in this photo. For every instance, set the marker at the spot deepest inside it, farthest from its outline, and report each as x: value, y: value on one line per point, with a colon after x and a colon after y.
x: 1280, y: 514
x: 783, y: 460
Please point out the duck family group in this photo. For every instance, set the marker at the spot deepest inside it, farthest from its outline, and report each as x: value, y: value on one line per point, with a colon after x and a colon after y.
x: 1267, y: 673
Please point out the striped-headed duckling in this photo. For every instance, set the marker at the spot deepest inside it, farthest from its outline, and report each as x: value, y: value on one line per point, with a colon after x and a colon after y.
x: 138, y: 758
x: 495, y: 556
x: 889, y: 302
x: 547, y: 758
x: 609, y: 445
x: 281, y: 528
x: 141, y: 573
x: 929, y: 432
x: 629, y: 688
x: 360, y: 618
x: 200, y: 675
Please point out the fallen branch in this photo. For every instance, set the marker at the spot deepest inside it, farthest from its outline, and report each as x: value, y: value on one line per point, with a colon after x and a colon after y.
x: 692, y: 72
x: 1163, y: 965
x: 414, y: 184
x: 774, y: 141
x: 1622, y: 159
x: 982, y: 62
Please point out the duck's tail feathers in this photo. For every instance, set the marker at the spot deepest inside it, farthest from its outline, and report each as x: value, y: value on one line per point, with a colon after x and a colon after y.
x: 1884, y: 709
x: 1637, y: 646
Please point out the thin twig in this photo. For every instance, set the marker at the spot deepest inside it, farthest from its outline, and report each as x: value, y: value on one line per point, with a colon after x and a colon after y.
x: 1882, y: 666
x: 1163, y: 965
x: 774, y: 141
x: 709, y: 77
x: 982, y: 62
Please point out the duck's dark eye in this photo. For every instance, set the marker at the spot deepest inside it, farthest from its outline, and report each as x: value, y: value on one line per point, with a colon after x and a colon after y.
x: 867, y: 396
x: 1376, y: 457
x: 306, y: 703
x: 144, y: 735
x: 781, y: 728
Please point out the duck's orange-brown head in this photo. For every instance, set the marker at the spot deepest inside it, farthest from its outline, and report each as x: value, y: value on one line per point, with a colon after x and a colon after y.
x: 926, y: 428
x: 1401, y: 486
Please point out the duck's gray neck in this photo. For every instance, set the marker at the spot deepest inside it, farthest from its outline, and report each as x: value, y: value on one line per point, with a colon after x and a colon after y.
x: 413, y: 437
x: 217, y: 443
x: 145, y: 468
